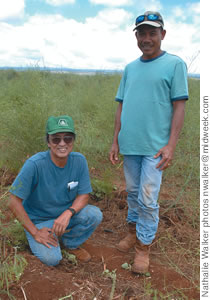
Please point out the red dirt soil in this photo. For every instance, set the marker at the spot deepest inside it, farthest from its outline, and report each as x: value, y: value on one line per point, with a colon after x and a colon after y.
x: 86, y: 280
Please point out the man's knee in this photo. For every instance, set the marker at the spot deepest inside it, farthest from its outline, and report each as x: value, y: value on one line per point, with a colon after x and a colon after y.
x: 94, y: 214
x: 48, y: 256
x: 50, y: 260
x: 98, y: 215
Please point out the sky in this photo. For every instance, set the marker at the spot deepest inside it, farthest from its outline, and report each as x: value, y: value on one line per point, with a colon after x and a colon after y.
x: 92, y: 34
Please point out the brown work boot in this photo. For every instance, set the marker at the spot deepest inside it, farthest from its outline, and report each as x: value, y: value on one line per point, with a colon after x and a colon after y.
x: 129, y: 241
x: 141, y: 259
x: 81, y: 254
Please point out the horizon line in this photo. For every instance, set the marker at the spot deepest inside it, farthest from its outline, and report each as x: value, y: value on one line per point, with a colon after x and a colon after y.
x: 60, y: 69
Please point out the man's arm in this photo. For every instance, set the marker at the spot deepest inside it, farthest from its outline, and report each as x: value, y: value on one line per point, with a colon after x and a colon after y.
x: 43, y: 236
x: 167, y: 152
x: 113, y: 154
x: 62, y: 221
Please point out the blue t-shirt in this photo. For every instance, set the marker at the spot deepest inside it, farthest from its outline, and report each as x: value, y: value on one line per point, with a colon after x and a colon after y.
x: 44, y: 187
x: 147, y: 90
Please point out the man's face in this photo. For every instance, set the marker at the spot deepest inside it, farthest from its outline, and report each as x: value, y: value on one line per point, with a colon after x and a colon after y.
x: 149, y: 40
x: 60, y: 144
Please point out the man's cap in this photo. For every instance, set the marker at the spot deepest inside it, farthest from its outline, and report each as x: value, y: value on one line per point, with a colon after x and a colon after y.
x: 60, y: 124
x: 150, y: 20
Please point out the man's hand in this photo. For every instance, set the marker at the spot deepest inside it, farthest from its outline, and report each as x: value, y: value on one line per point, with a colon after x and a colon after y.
x: 43, y: 236
x: 46, y: 237
x: 61, y: 223
x: 113, y: 154
x: 167, y: 154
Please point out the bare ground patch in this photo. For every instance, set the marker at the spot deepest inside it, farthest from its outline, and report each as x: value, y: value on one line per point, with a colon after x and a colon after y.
x: 174, y: 267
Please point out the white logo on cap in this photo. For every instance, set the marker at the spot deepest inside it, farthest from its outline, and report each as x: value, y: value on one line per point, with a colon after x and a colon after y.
x: 62, y: 122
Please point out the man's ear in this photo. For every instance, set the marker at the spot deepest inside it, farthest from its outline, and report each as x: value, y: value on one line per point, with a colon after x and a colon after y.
x: 136, y: 33
x: 163, y: 33
x: 47, y: 140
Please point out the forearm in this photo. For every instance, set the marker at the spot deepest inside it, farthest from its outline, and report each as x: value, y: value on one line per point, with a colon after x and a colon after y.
x: 167, y: 152
x: 63, y: 220
x: 15, y: 205
x: 80, y: 202
x: 113, y: 154
x: 117, y: 123
x: 177, y: 123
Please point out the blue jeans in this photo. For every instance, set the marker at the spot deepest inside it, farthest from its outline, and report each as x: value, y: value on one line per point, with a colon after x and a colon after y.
x: 143, y: 182
x: 82, y: 226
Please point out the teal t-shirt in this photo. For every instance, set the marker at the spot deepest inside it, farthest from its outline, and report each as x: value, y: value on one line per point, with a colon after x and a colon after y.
x: 44, y: 187
x: 147, y: 90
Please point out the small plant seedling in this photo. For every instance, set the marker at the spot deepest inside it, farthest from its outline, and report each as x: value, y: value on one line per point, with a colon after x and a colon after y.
x: 70, y: 257
x: 113, y: 276
x: 66, y: 297
x: 126, y: 266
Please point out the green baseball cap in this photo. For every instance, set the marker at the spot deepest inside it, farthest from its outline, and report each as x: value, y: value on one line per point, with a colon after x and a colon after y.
x: 60, y: 124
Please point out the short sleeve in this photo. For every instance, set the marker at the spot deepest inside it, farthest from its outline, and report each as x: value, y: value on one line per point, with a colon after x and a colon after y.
x: 121, y: 89
x: 179, y: 87
x: 26, y: 180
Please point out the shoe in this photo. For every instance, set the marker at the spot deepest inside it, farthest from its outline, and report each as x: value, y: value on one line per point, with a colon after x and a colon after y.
x: 129, y: 241
x: 141, y: 259
x: 81, y: 254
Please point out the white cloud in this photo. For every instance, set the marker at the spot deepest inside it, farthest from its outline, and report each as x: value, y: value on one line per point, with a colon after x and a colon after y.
x: 110, y: 19
x: 106, y: 41
x: 184, y: 13
x: 183, y: 38
x: 60, y: 2
x: 179, y: 13
x: 194, y: 8
x: 11, y: 9
x: 145, y: 5
x: 111, y: 2
x: 99, y: 42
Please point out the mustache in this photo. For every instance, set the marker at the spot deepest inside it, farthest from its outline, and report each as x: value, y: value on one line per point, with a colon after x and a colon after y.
x: 146, y: 44
x: 64, y: 147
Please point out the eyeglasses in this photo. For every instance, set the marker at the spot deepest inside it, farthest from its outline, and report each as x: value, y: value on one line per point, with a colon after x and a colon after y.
x: 150, y: 17
x: 57, y: 139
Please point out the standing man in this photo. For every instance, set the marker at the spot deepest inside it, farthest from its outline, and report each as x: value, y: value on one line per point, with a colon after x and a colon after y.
x: 50, y: 196
x: 149, y: 118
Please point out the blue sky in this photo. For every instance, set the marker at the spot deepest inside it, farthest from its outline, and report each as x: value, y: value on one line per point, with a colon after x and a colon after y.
x: 92, y: 33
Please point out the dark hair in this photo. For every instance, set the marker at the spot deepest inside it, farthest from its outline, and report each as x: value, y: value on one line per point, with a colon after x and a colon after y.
x: 47, y: 138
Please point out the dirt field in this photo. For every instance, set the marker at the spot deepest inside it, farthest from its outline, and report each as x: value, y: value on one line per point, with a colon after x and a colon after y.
x: 171, y: 274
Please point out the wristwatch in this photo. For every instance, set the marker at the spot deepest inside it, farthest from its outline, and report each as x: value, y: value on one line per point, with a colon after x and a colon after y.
x: 73, y: 211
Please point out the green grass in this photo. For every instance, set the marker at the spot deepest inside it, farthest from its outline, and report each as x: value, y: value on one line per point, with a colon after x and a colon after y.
x: 12, y: 236
x: 29, y: 98
x: 186, y: 157
x: 11, y: 268
x: 185, y: 171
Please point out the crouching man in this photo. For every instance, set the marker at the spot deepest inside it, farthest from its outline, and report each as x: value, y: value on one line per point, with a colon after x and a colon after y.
x: 50, y: 197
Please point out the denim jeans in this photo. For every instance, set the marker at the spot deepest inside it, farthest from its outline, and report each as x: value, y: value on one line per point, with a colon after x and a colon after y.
x: 143, y: 182
x: 82, y: 225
